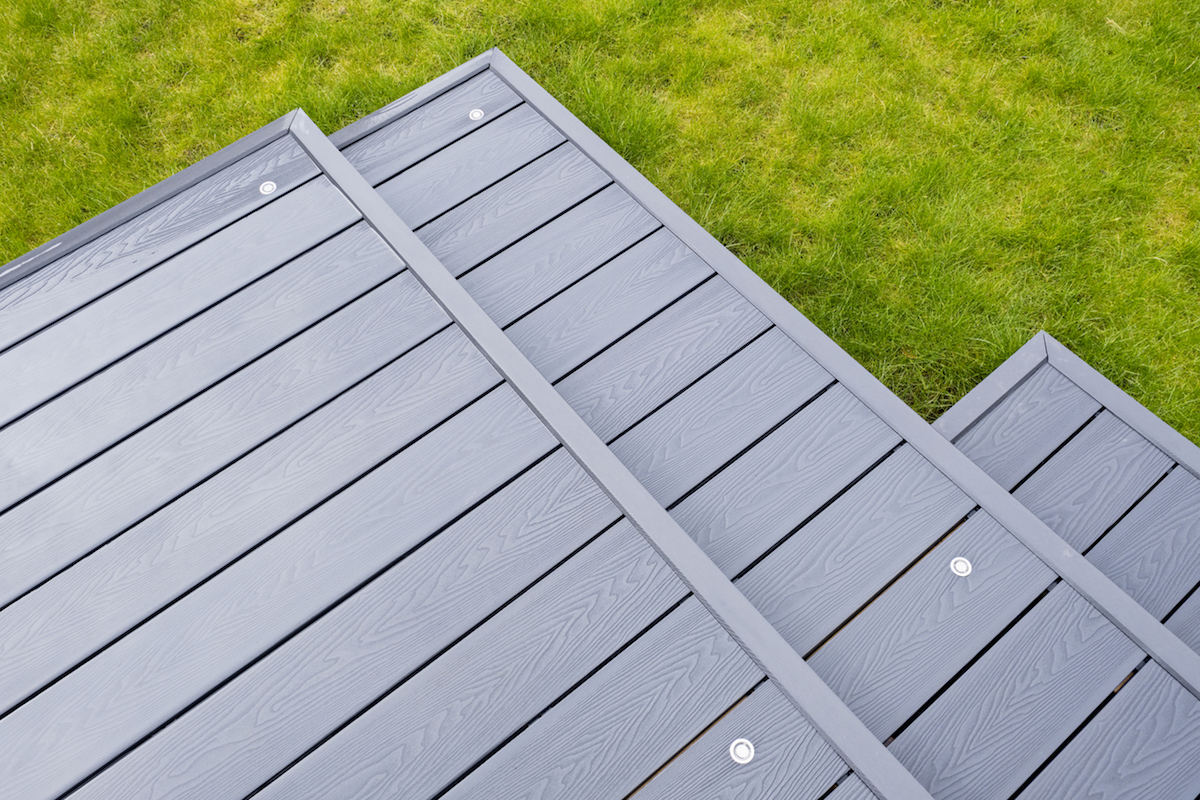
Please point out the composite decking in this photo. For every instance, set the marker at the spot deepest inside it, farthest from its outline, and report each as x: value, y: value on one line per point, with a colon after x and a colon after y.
x: 461, y: 462
x: 828, y: 504
x: 274, y: 524
x: 1121, y: 488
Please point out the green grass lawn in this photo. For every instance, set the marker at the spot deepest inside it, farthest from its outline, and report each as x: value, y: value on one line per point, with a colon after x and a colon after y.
x: 930, y: 181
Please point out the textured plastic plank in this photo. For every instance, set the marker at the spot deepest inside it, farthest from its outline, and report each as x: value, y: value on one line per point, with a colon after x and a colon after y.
x: 430, y: 127
x: 136, y: 390
x: 1026, y: 426
x: 992, y: 389
x: 109, y: 703
x: 1006, y: 715
x: 769, y: 491
x: 1154, y: 552
x: 436, y: 725
x: 564, y: 250
x: 82, y: 609
x: 795, y: 678
x: 227, y: 746
x: 106, y: 330
x: 492, y: 220
x: 1144, y: 743
x: 607, y: 304
x: 1094, y: 479
x: 851, y: 788
x: 791, y: 760
x: 1132, y: 619
x: 156, y: 234
x: 1185, y: 622
x: 657, y: 360
x: 815, y: 580
x: 95, y: 502
x: 609, y: 735
x: 689, y: 438
x: 469, y: 166
x: 914, y: 638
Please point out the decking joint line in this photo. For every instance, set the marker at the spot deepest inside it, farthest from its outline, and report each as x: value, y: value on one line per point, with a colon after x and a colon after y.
x: 749, y: 629
x: 1133, y: 620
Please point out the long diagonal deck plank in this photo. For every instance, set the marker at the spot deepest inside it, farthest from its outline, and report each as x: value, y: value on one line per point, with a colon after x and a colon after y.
x: 80, y: 610
x: 284, y: 706
x: 80, y: 512
x: 112, y: 701
x: 104, y: 331
x: 136, y: 390
x: 167, y: 228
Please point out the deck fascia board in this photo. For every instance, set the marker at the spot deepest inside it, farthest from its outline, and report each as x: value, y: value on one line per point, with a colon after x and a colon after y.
x: 1124, y: 407
x: 143, y: 201
x: 1133, y: 620
x: 853, y: 742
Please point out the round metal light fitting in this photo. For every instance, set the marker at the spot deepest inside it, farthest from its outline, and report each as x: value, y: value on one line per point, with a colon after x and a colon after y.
x: 741, y: 751
x: 476, y: 114
x: 267, y: 187
x: 960, y: 566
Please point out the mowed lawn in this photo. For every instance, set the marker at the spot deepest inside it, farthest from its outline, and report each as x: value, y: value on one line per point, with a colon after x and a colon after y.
x: 930, y: 181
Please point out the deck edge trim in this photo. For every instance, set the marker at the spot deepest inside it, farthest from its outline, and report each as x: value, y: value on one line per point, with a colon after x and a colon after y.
x: 762, y: 643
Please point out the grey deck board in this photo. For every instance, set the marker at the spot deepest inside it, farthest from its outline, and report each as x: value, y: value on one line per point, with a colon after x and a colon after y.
x: 58, y: 525
x: 1009, y: 712
x: 430, y: 127
x: 820, y: 576
x: 230, y: 744
x: 494, y: 219
x: 647, y: 367
x: 769, y: 491
x: 1144, y: 743
x: 436, y: 725
x: 852, y: 788
x: 1154, y: 552
x: 1026, y: 426
x: 101, y: 411
x: 82, y: 609
x: 791, y: 760
x: 81, y: 276
x: 1185, y: 621
x: 106, y: 330
x: 690, y: 437
x: 1094, y: 479
x: 604, y: 306
x: 610, y: 734
x: 520, y: 278
x: 109, y: 703
x: 913, y: 639
x: 469, y: 165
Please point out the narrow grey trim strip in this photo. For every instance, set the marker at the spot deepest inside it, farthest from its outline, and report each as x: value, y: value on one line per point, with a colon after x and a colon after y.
x: 848, y: 736
x: 417, y: 97
x: 1130, y: 411
x: 992, y: 389
x: 160, y: 192
x: 1133, y: 620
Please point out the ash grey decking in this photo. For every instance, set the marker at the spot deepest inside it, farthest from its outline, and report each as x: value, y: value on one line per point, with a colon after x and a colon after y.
x: 300, y: 487
x: 780, y: 465
x: 1078, y: 451
x: 549, y: 498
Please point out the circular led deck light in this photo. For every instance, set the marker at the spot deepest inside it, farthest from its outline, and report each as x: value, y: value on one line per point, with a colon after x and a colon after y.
x: 476, y: 114
x: 741, y: 751
x: 960, y: 567
x: 267, y: 187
